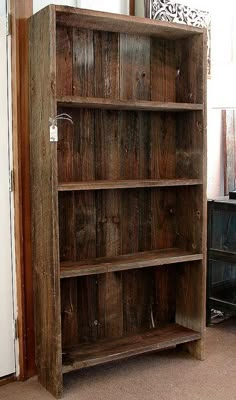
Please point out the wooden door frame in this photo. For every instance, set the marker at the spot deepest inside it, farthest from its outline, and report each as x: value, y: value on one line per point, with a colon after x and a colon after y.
x: 131, y: 7
x: 20, y: 10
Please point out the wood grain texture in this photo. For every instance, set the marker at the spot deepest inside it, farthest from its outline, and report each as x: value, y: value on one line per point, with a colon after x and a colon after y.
x: 190, y: 73
x: 125, y: 255
x: 144, y: 259
x: 131, y: 7
x: 95, y: 20
x: 109, y: 244
x: 106, y: 65
x: 164, y: 297
x: 163, y: 147
x: 164, y: 68
x: 134, y: 67
x: 190, y: 304
x: 64, y: 61
x: 117, y: 349
x: 20, y: 12
x: 228, y: 131
x: 69, y: 312
x: 83, y: 62
x: 44, y: 201
x: 189, y: 145
x: 116, y: 104
x: 107, y: 155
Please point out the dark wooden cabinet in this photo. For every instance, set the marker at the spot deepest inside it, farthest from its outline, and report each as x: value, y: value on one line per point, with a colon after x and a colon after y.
x: 119, y: 201
x: 221, y: 287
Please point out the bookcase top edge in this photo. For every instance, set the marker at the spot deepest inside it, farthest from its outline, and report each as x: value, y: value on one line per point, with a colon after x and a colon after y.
x: 82, y: 18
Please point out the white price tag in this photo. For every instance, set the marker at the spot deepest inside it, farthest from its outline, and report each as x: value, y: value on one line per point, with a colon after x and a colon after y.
x: 53, y: 133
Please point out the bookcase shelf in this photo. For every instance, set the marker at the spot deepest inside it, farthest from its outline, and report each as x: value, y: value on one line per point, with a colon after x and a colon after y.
x: 137, y: 105
x: 119, y: 201
x: 104, y: 351
x: 126, y: 184
x: 126, y: 262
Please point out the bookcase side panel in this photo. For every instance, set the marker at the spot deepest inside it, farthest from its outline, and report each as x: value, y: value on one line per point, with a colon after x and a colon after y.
x: 191, y: 308
x: 44, y: 201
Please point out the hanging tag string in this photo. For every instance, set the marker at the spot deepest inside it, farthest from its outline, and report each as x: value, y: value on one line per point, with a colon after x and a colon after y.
x: 58, y: 117
x: 53, y: 131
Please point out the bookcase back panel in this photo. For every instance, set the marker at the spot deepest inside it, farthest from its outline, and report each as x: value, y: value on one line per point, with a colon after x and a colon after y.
x: 114, y: 222
x: 124, y: 66
x: 105, y: 144
x: 87, y: 63
x: 176, y: 70
x: 135, y: 74
x: 116, y: 304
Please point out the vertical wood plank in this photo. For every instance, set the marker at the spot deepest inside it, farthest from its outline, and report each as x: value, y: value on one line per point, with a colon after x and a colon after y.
x: 134, y: 84
x: 129, y: 145
x: 106, y: 64
x: 163, y: 146
x: 64, y: 49
x: 134, y: 67
x: 107, y: 145
x: 189, y: 145
x: 85, y: 231
x: 83, y: 145
x: 189, y: 79
x: 109, y: 244
x: 67, y: 238
x: 163, y: 236
x: 144, y: 137
x: 130, y: 244
x: 164, y: 68
x: 88, y: 322
x: 228, y: 129
x: 65, y: 149
x: 69, y: 312
x: 189, y: 299
x: 164, y: 303
x: 45, y: 236
x: 163, y: 205
x: 83, y: 62
x: 190, y: 218
x: 108, y: 221
x: 195, y: 316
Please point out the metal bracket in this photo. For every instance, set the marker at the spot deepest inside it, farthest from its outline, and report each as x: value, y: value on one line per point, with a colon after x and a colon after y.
x: 11, y: 181
x: 8, y: 24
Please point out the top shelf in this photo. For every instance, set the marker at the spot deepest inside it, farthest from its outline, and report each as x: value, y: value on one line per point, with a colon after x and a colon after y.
x: 110, y: 104
x: 89, y: 19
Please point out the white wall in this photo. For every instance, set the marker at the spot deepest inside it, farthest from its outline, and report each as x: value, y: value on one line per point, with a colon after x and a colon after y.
x: 115, y: 6
x: 38, y: 4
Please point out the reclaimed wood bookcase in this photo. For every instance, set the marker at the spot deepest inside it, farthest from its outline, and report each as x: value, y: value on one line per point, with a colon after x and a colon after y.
x: 118, y: 203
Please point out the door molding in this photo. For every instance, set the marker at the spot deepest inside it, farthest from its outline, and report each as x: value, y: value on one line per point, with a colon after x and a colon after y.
x: 19, y: 12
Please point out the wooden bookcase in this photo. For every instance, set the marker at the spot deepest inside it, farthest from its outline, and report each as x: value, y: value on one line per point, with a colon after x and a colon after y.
x: 118, y: 203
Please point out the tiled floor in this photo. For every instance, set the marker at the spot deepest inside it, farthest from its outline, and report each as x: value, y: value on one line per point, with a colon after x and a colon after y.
x: 162, y: 376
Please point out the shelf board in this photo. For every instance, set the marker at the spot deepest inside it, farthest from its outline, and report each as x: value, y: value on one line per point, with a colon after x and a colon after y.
x: 90, y: 19
x: 122, y: 184
x: 137, y: 105
x: 125, y: 262
x: 106, y: 350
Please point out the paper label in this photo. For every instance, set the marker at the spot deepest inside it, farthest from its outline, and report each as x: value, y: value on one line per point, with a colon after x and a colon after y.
x: 53, y: 133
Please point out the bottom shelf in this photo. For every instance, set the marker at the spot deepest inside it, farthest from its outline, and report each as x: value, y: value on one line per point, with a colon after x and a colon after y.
x: 106, y: 350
